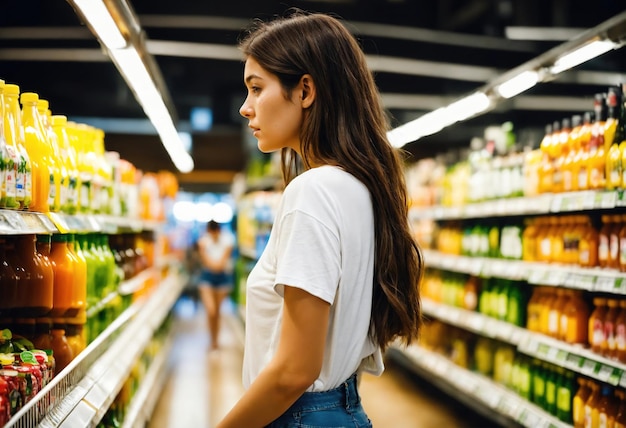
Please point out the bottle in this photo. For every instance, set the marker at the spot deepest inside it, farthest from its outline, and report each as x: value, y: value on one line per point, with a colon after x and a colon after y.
x: 4, y: 154
x: 34, y: 296
x: 564, y: 395
x: 43, y: 338
x: 64, y: 267
x: 59, y: 127
x: 8, y: 280
x: 551, y: 384
x: 533, y: 310
x: 58, y: 193
x: 75, y: 332
x: 622, y: 245
x: 539, y: 383
x: 610, y: 349
x: 560, y: 155
x: 620, y: 333
x: 516, y: 304
x: 546, y: 305
x: 597, y: 340
x: 529, y: 241
x: 61, y: 349
x: 546, y: 170
x: 79, y: 300
x: 576, y: 313
x: 38, y: 149
x: 570, y: 170
x: 620, y: 417
x: 616, y: 227
x: 604, y: 241
x: 578, y: 405
x: 21, y: 198
x: 597, y: 150
x: 589, y: 245
x: 581, y: 162
x: 590, y: 406
x: 554, y: 315
x: 605, y: 411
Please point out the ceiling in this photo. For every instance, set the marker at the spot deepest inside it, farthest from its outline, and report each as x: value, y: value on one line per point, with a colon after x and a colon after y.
x: 424, y: 53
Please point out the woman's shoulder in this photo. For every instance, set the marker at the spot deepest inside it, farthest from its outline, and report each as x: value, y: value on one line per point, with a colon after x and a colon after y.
x: 326, y: 178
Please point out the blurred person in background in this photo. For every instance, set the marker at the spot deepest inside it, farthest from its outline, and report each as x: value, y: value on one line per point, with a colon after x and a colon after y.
x: 215, y: 283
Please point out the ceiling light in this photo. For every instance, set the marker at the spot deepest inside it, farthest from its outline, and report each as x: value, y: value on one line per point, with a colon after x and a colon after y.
x: 99, y: 18
x: 582, y: 54
x: 518, y: 84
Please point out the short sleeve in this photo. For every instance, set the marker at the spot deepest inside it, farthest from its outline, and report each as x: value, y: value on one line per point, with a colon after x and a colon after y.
x: 308, y: 256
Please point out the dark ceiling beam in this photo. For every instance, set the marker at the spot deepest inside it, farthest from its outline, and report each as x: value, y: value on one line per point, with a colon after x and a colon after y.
x: 467, y: 14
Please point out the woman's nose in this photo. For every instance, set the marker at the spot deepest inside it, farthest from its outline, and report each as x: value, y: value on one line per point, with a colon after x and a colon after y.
x: 245, y: 110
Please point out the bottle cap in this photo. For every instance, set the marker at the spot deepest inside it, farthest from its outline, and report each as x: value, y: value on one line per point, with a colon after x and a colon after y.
x: 43, y: 105
x: 29, y: 97
x: 59, y: 119
x: 11, y: 89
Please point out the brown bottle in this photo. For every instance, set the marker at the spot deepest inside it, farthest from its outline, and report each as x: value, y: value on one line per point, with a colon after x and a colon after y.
x: 610, y: 349
x: 8, y: 279
x: 596, y: 325
x: 577, y: 314
x: 588, y: 247
x: 61, y: 349
x: 614, y: 232
x: 620, y: 333
x: 34, y: 294
x: 603, y: 241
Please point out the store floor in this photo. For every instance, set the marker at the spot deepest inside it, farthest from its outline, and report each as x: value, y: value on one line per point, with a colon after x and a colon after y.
x: 203, y: 385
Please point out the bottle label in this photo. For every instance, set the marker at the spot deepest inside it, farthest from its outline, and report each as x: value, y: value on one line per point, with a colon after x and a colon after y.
x: 603, y: 421
x: 603, y: 248
x: 53, y: 192
x: 587, y: 416
x: 620, y: 337
x: 564, y: 400
x: 614, y: 246
x: 553, y: 322
x: 567, y: 180
x: 72, y: 192
x: 598, y: 337
x: 622, y: 250
x: 609, y: 334
x: 582, y: 178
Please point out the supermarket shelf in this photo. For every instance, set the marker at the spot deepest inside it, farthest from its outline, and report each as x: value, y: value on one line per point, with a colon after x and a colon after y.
x: 475, y: 322
x: 142, y: 404
x: 589, y: 279
x: 82, y: 392
x: 14, y: 222
x: 575, y: 358
x: 479, y: 392
x: 543, y: 204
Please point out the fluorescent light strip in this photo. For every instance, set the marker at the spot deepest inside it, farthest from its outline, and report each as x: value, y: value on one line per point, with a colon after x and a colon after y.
x: 582, y: 54
x: 139, y: 79
x: 518, y: 84
x: 102, y: 22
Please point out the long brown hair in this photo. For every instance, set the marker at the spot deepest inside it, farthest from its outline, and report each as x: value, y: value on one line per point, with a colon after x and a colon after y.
x: 346, y: 126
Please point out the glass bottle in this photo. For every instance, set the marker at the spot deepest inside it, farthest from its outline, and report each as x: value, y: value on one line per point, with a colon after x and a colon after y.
x: 22, y: 165
x: 64, y: 267
x: 581, y: 397
x: 61, y: 349
x: 620, y: 333
x: 596, y: 325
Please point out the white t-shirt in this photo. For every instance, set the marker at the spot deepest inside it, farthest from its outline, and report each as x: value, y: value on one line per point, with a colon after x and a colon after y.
x: 322, y: 241
x: 215, y: 249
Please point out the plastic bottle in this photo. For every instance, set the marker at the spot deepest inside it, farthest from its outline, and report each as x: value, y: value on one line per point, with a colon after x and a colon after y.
x: 620, y: 417
x: 61, y: 349
x: 4, y: 154
x: 64, y: 267
x: 516, y: 301
x: 591, y: 405
x: 581, y: 163
x: 606, y: 409
x: 589, y: 245
x: 597, y: 151
x: 79, y: 300
x: 578, y: 406
x: 22, y: 165
x: 576, y: 313
x: 529, y: 241
x: 58, y: 187
x: 560, y: 305
x: 551, y: 387
x: 38, y: 149
x: 539, y: 383
x: 613, y: 161
x: 564, y: 395
x: 597, y: 340
x: 620, y: 333
x: 616, y: 227
x: 604, y: 241
x: 610, y: 318
x: 570, y: 172
x: 533, y: 310
x: 68, y: 156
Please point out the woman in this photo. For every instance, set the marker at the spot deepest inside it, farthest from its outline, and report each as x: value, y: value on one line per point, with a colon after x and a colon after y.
x: 338, y: 280
x: 216, y: 276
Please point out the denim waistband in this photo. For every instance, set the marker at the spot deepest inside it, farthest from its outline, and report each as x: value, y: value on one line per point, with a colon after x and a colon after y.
x: 345, y: 395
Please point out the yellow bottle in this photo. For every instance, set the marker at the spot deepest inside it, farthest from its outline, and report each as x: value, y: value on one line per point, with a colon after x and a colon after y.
x: 58, y: 194
x: 39, y: 152
x: 570, y: 174
x: 70, y: 204
x: 545, y: 170
x: 581, y: 161
x: 24, y: 182
x: 73, y: 135
x: 597, y: 150
x: 85, y: 167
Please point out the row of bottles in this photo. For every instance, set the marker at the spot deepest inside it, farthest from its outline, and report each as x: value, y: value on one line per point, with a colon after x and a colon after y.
x: 48, y: 163
x: 584, y: 152
x: 587, y: 241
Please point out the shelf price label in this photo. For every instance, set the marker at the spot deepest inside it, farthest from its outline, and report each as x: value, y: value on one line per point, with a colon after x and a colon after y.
x: 589, y: 368
x: 574, y: 361
x: 605, y: 284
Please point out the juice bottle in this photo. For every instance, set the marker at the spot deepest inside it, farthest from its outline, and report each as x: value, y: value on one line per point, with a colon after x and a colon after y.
x: 554, y: 316
x: 604, y: 241
x: 589, y: 245
x: 69, y: 190
x: 86, y: 161
x: 8, y: 280
x: 75, y: 332
x: 19, y: 194
x: 581, y: 161
x: 539, y: 383
x: 529, y: 241
x: 597, y: 150
x: 58, y: 187
x: 38, y: 149
x: 546, y: 170
x: 561, y: 156
x: 533, y: 310
x: 570, y: 169
x: 613, y: 163
x: 564, y: 395
x: 43, y: 339
x: 64, y: 266
x: 79, y: 300
x: 597, y: 340
x: 616, y: 227
x: 61, y: 349
x: 591, y: 405
x: 4, y: 154
x: 34, y: 294
x: 91, y: 263
x: 606, y: 409
x: 622, y: 246
x: 609, y: 328
x: 551, y: 383
x: 516, y: 304
x: 546, y: 305
x: 620, y: 333
x: 73, y: 157
x: 556, y: 154
x: 620, y: 417
x: 576, y: 313
x: 582, y: 395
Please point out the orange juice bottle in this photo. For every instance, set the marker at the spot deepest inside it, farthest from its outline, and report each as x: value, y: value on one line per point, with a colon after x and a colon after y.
x: 10, y: 157
x: 609, y: 328
x: 68, y: 157
x: 533, y: 310
x: 529, y: 240
x: 570, y: 174
x: 591, y: 406
x: 620, y: 417
x: 597, y: 150
x: 581, y: 160
x: 39, y: 152
x: 620, y: 333
x: 616, y: 227
x: 547, y: 303
x: 604, y: 242
x: 597, y: 339
x: 545, y: 169
x: 557, y: 239
x: 563, y: 154
x: 557, y: 154
x: 606, y: 410
x: 576, y: 314
x: 80, y: 276
x: 554, y: 315
x: 58, y: 194
x: 578, y: 405
x: 64, y: 266
x: 16, y: 143
x: 589, y: 242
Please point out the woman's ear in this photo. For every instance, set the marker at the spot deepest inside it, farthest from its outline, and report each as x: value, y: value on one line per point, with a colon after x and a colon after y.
x: 307, y: 87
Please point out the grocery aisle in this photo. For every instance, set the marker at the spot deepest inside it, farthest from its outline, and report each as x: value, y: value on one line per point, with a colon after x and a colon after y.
x: 203, y: 385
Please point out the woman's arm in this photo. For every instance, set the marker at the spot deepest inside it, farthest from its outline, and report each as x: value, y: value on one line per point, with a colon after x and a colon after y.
x: 296, y: 365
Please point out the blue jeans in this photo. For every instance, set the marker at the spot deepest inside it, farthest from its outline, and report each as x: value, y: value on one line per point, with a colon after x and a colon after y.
x: 337, y: 408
